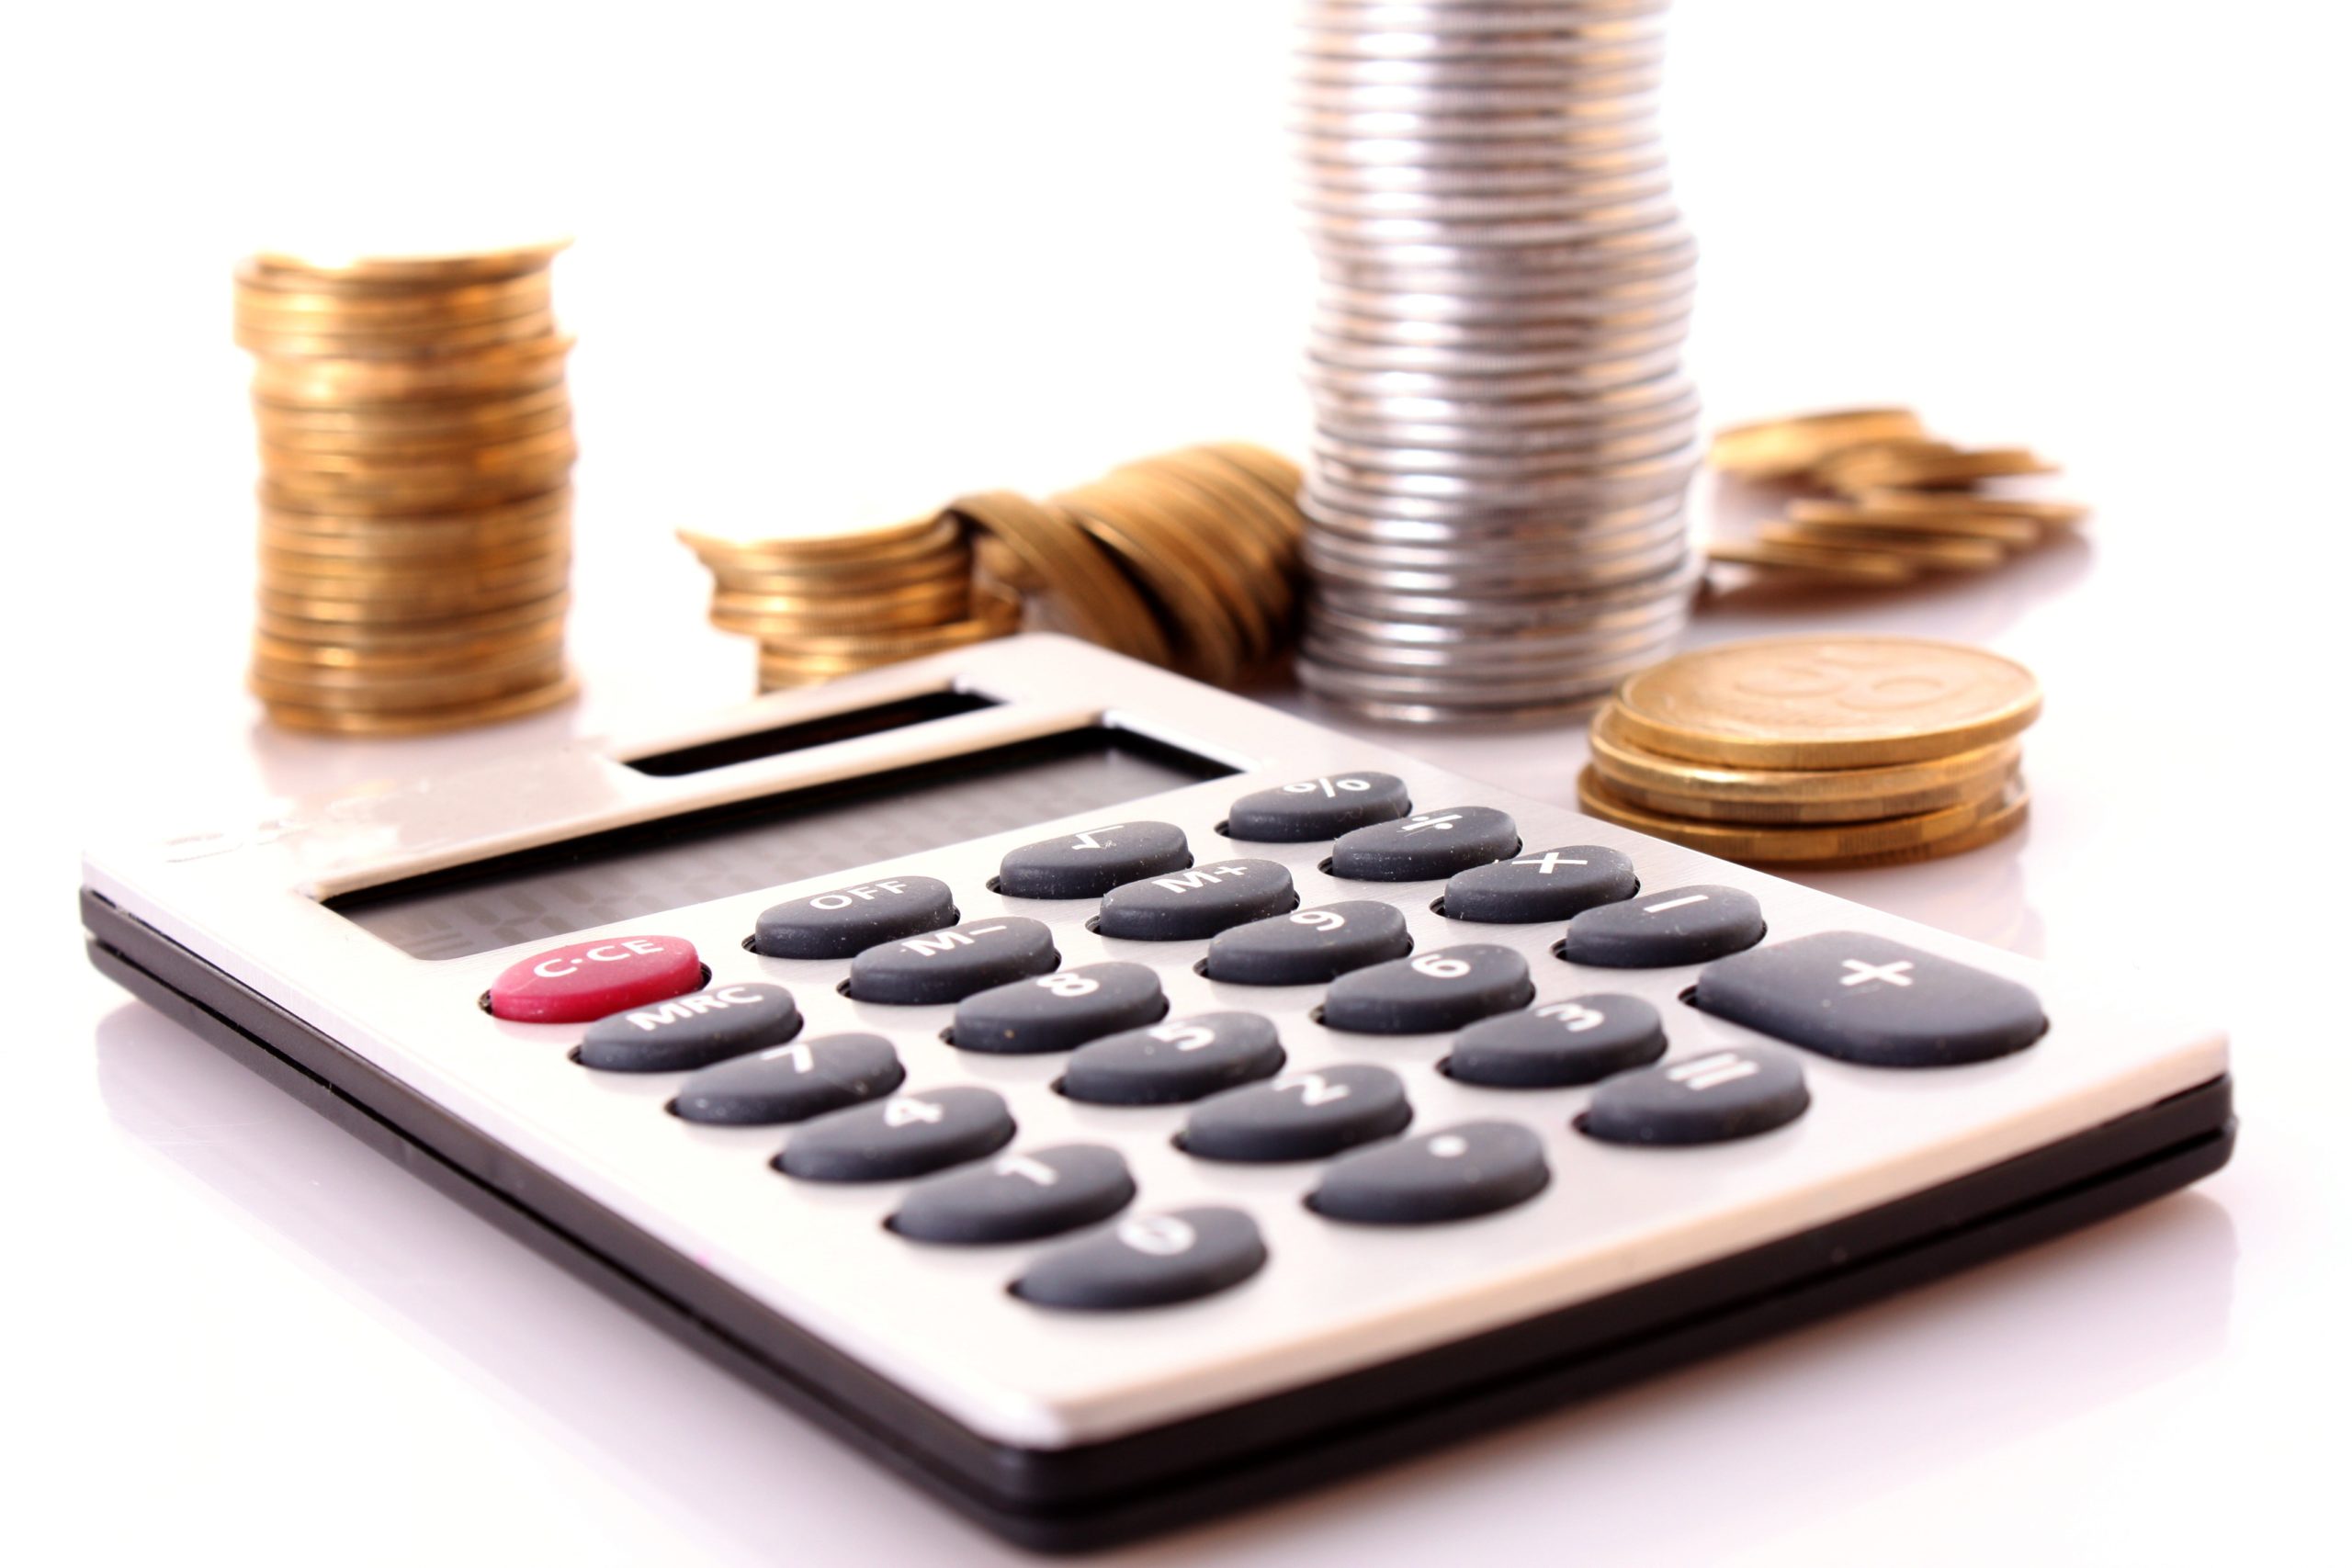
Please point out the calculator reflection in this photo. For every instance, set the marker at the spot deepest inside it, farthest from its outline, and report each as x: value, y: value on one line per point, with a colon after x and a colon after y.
x: 1908, y: 1385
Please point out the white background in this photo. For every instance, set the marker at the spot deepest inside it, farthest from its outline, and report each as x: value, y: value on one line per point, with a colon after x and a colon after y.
x: 838, y: 262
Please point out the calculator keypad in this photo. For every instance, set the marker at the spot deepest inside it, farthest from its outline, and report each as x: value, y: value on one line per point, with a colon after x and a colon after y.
x: 908, y: 1134
x: 1659, y: 930
x: 1865, y: 998
x: 1443, y: 988
x: 1307, y: 947
x: 1578, y: 1041
x: 949, y: 965
x: 791, y: 1083
x: 1200, y: 902
x: 1427, y: 845
x: 690, y: 1031
x: 1018, y: 1197
x: 1089, y: 863
x: 1181, y: 1060
x: 843, y: 921
x: 1306, y: 1115
x: 1310, y: 809
x: 1455, y: 1173
x: 1552, y: 885
x: 1059, y: 1011
x: 1151, y: 1260
x: 1708, y: 1098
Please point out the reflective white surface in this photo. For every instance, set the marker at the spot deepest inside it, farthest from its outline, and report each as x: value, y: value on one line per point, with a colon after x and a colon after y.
x: 865, y: 259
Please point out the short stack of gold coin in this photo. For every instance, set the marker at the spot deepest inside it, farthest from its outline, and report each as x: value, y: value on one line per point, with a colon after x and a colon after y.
x: 1830, y: 752
x: 824, y: 606
x: 1189, y: 559
x: 1893, y: 503
x: 416, y: 453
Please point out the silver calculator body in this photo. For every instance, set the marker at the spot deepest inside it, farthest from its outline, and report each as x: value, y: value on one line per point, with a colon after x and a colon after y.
x: 342, y: 946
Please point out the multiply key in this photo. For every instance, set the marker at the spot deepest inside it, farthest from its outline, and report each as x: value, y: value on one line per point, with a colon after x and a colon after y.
x: 692, y: 1031
x: 1307, y: 947
x: 1089, y: 864
x: 1864, y: 998
x: 948, y: 966
x: 1552, y: 885
x: 841, y: 921
x: 1196, y: 903
x: 1441, y: 989
x: 1059, y: 1011
x: 1682, y: 925
x: 1433, y: 844
x: 1316, y: 809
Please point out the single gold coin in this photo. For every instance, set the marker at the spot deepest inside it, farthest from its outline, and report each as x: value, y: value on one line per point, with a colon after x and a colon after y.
x: 1870, y: 521
x: 1783, y: 448
x: 1782, y: 845
x: 920, y: 535
x: 1924, y: 465
x: 1932, y: 552
x: 1999, y: 823
x: 446, y: 656
x: 1827, y: 702
x: 425, y: 420
x: 523, y: 515
x: 1974, y: 503
x: 507, y: 370
x: 317, y: 341
x: 268, y: 304
x: 365, y: 274
x: 420, y: 721
x: 377, y: 691
x: 1860, y: 567
x: 1679, y: 787
x: 412, y: 636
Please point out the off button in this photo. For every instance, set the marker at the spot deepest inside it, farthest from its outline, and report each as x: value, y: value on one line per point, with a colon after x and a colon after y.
x: 591, y: 980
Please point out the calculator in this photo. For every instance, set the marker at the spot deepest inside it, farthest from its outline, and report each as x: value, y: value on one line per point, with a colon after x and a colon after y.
x: 1105, y: 1100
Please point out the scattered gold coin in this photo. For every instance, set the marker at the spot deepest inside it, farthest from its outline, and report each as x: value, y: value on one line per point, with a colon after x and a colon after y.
x: 417, y: 451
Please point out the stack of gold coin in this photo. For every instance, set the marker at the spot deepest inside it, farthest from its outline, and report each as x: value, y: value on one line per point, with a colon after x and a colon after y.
x: 1189, y: 559
x: 416, y: 454
x: 1828, y: 752
x: 1895, y: 504
x: 824, y: 606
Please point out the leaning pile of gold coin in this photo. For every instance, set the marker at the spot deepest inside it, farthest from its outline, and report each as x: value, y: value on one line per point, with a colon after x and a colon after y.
x: 1889, y: 502
x: 416, y: 453
x: 1188, y: 559
x: 1830, y: 753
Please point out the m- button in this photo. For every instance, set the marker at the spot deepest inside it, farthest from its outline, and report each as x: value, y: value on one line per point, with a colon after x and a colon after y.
x: 590, y: 979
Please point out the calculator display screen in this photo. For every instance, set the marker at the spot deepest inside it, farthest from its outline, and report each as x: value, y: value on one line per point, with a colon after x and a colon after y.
x: 556, y: 889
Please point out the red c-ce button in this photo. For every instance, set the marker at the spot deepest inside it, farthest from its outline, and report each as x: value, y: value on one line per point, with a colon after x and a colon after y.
x: 590, y: 979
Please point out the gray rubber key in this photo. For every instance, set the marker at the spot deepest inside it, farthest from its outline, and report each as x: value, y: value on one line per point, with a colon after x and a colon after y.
x: 1308, y: 1115
x: 908, y: 1134
x: 791, y: 1083
x: 1314, y: 809
x: 1443, y: 988
x: 1151, y: 1260
x: 1455, y: 1173
x: 1734, y: 1092
x: 1018, y: 1197
x: 1426, y: 845
x: 1864, y: 998
x: 1180, y: 1060
x: 948, y: 966
x: 1682, y: 925
x: 1550, y: 885
x: 690, y: 1031
x: 1582, y: 1040
x: 1089, y: 863
x: 1196, y: 903
x: 1059, y: 1011
x: 843, y: 921
x: 1307, y: 947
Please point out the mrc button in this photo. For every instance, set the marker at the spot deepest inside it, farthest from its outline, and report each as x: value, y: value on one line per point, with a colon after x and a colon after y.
x: 593, y: 979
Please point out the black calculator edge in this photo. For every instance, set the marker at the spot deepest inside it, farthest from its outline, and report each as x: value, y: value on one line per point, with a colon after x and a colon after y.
x: 1184, y: 1473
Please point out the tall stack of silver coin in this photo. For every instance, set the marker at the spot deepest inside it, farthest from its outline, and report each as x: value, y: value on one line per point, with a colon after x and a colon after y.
x: 1503, y: 433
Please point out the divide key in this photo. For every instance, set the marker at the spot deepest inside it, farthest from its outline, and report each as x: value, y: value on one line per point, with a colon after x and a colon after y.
x: 948, y: 966
x: 1432, y: 844
x: 841, y: 921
